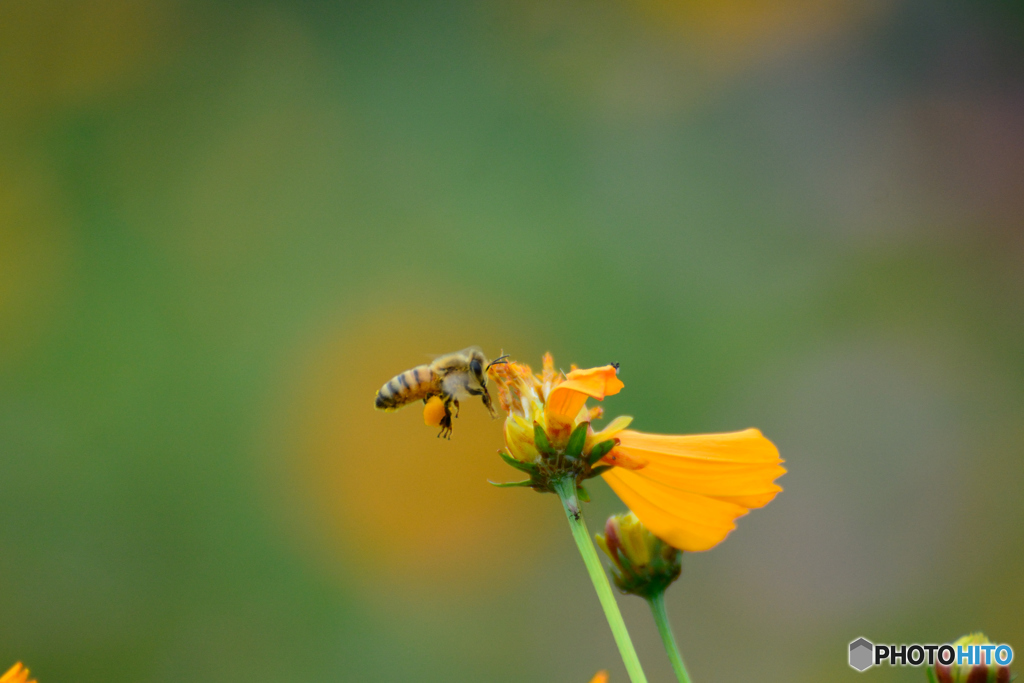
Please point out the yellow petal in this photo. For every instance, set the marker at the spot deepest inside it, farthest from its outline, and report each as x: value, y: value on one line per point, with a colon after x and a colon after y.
x: 611, y: 430
x: 633, y: 540
x: 566, y: 399
x: 519, y: 439
x: 433, y: 412
x: 603, y: 544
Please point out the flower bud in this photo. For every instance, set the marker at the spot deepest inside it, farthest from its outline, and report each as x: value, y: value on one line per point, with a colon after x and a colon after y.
x: 972, y: 673
x: 519, y: 439
x: 642, y: 564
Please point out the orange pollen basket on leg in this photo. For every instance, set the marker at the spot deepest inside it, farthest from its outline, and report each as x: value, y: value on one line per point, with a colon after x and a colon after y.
x: 433, y: 411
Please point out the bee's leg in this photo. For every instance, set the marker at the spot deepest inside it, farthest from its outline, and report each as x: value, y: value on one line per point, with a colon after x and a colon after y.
x: 488, y: 404
x: 446, y: 421
x: 446, y: 427
x: 485, y: 397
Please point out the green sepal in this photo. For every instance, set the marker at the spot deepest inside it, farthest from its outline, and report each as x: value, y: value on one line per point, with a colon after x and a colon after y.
x: 577, y: 439
x: 510, y: 484
x: 582, y: 494
x: 518, y: 464
x: 624, y: 561
x: 600, y: 470
x: 600, y: 450
x: 540, y: 440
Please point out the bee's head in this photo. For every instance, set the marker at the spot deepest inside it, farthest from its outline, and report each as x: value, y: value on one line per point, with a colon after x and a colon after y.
x: 477, y: 366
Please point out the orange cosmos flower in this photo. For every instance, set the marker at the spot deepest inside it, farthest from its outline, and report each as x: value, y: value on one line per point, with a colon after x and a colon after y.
x: 16, y: 674
x: 688, y: 490
x: 600, y: 677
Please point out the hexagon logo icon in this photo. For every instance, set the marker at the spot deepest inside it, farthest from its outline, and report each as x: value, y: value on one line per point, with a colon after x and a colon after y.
x: 861, y: 654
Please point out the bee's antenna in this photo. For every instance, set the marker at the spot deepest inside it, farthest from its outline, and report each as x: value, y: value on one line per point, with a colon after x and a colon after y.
x: 500, y: 360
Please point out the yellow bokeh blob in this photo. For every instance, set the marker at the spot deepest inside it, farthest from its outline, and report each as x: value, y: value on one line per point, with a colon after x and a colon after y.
x: 377, y: 495
x: 34, y: 255
x: 654, y: 58
x: 66, y: 53
x: 744, y: 32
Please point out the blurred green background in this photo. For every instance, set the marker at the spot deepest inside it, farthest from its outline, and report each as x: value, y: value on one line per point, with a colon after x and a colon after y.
x: 224, y: 225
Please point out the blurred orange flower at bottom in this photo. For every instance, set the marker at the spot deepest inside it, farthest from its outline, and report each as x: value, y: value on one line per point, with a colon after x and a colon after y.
x: 600, y: 677
x: 16, y: 674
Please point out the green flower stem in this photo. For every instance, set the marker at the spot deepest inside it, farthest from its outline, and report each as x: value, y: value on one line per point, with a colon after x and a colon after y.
x: 931, y: 675
x: 566, y: 490
x: 657, y: 604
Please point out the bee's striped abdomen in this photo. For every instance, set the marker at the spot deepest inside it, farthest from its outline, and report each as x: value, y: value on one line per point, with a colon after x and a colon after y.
x: 407, y: 387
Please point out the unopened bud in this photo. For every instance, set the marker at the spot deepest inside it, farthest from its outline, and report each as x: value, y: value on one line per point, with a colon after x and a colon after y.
x: 974, y: 671
x: 642, y: 564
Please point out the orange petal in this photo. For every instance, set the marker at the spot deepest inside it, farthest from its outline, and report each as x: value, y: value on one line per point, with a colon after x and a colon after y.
x: 602, y: 381
x: 567, y: 398
x: 619, y: 458
x: 548, y: 369
x: 738, y: 467
x: 684, y: 520
x: 600, y: 677
x: 693, y: 487
x: 433, y: 412
x: 748, y: 445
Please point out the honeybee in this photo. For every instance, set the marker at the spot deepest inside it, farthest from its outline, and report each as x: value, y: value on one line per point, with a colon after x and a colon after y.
x: 451, y: 377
